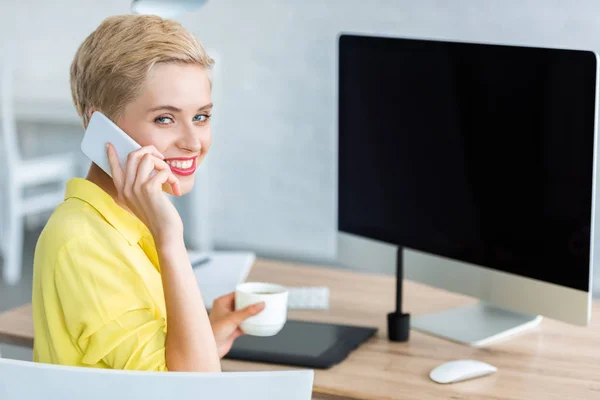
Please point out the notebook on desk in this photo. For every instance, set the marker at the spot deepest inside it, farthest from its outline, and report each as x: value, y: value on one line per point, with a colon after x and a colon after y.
x: 219, y: 272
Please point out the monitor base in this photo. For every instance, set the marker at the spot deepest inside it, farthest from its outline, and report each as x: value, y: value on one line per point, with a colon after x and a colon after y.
x: 478, y: 325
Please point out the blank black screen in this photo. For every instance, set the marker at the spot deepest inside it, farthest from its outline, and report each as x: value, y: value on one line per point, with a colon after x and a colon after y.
x: 479, y: 153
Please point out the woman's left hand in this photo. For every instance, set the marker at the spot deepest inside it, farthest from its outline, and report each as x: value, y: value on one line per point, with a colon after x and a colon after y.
x: 225, y: 321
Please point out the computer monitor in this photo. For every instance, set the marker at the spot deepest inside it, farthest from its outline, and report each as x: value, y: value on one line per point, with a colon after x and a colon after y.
x: 479, y: 161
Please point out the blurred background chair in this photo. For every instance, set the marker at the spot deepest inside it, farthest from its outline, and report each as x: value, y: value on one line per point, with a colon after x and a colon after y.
x: 53, y: 382
x: 43, y: 177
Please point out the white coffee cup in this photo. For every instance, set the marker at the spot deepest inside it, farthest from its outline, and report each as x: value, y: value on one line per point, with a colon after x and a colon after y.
x: 273, y: 317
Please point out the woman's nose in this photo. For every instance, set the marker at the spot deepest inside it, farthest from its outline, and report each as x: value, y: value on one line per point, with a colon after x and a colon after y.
x: 190, y: 139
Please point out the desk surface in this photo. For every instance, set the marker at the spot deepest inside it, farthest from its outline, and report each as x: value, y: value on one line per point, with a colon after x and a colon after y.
x: 552, y: 361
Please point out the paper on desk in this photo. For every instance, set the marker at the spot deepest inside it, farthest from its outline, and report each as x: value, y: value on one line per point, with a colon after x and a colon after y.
x: 224, y: 271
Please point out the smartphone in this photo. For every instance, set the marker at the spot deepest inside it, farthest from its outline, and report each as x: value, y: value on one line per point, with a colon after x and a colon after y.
x: 102, y: 130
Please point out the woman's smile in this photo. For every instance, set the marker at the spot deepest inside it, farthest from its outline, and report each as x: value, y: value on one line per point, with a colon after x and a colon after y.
x: 182, y: 166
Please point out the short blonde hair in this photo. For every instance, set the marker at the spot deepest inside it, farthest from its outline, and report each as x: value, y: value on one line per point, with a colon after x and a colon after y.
x: 113, y: 62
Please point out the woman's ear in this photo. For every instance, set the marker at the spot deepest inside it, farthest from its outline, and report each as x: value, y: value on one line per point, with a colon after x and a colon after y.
x: 90, y: 112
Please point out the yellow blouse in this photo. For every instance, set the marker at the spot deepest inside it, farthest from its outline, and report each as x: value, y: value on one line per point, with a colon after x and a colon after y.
x: 97, y: 291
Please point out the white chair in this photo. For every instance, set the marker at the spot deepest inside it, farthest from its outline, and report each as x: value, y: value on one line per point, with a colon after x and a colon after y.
x: 19, y: 174
x: 24, y: 380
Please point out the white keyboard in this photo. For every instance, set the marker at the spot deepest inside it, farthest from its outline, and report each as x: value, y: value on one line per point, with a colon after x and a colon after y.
x: 308, y: 298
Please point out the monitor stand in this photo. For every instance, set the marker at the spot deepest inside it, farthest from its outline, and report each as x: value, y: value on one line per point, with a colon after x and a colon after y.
x: 478, y: 325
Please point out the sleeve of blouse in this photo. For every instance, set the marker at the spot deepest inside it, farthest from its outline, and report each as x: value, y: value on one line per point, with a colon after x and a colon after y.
x: 107, y: 310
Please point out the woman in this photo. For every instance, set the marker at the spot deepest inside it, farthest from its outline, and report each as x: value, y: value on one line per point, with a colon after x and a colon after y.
x: 111, y: 264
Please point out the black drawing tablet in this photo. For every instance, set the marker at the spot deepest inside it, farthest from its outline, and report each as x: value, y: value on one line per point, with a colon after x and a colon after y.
x: 303, y: 344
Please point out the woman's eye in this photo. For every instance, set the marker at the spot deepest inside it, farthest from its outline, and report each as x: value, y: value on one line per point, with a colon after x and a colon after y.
x: 201, y: 118
x: 163, y: 120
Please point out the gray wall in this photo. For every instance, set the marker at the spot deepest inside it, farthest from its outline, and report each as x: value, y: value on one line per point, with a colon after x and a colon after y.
x: 272, y: 167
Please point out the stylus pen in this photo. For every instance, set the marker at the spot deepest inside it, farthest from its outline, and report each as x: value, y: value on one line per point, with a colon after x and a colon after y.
x: 200, y: 262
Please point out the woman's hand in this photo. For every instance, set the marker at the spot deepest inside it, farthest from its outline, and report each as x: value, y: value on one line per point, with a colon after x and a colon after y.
x: 225, y: 321
x: 142, y: 192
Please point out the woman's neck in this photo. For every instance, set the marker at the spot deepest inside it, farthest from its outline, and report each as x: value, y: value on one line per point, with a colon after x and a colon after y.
x: 97, y: 176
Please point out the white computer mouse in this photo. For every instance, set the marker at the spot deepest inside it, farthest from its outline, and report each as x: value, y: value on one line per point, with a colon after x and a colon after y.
x: 460, y: 370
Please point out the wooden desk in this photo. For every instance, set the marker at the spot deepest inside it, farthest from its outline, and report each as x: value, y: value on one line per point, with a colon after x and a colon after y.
x: 553, y: 361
